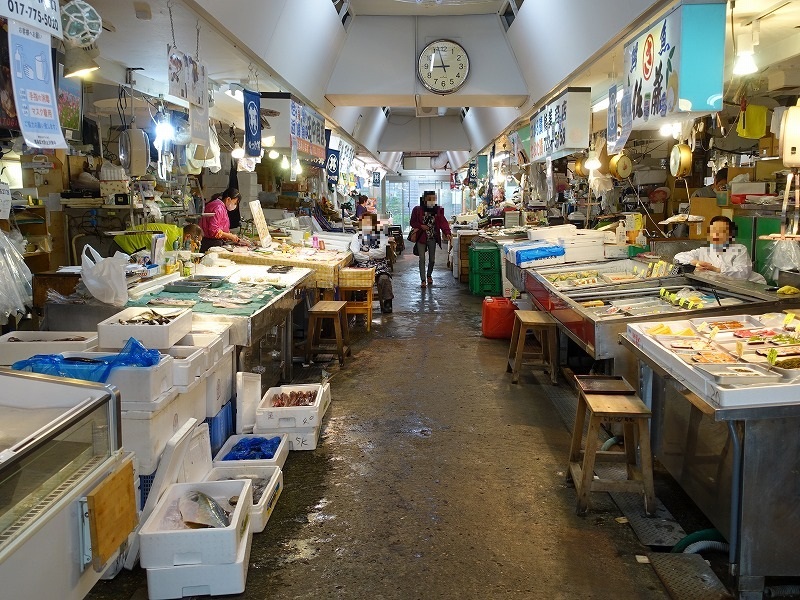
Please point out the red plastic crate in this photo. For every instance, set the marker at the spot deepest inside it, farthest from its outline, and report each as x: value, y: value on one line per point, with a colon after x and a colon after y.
x: 498, y: 318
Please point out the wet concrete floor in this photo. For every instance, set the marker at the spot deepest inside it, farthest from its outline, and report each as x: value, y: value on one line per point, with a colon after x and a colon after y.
x: 436, y: 477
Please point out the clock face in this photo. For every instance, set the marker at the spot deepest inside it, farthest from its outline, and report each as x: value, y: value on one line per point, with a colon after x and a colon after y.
x: 443, y: 66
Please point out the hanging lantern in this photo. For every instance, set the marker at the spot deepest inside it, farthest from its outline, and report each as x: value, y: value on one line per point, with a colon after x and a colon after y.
x: 81, y: 23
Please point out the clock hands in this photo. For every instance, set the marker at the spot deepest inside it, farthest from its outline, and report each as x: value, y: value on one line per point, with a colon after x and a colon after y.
x: 441, y: 60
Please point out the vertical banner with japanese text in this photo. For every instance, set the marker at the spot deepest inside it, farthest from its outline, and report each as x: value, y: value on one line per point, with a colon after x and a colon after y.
x: 252, y: 123
x: 34, y: 86
x: 562, y: 126
x: 332, y: 167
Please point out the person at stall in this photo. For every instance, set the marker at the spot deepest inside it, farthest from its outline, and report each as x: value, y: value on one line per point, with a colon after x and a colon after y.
x: 192, y: 237
x: 433, y: 228
x: 369, y: 250
x: 710, y: 191
x: 361, y: 208
x: 217, y: 228
x: 721, y: 255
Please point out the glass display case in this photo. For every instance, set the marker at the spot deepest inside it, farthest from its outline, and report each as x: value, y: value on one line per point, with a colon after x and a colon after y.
x: 54, y: 435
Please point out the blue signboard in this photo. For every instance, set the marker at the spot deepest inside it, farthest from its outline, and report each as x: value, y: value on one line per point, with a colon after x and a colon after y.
x: 332, y: 166
x: 252, y: 123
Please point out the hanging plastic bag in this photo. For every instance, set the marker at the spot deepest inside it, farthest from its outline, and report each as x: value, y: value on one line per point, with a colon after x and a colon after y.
x: 90, y: 369
x: 105, y: 277
x: 782, y: 255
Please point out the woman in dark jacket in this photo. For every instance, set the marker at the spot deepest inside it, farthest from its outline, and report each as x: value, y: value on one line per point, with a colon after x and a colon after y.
x: 433, y: 227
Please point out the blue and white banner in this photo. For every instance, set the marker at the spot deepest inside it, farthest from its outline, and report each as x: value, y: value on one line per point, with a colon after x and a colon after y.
x: 34, y: 87
x: 376, y: 179
x: 252, y: 123
x: 332, y: 166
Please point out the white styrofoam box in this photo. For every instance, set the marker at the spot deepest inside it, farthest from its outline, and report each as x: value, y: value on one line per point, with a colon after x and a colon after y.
x: 542, y: 262
x: 147, y: 426
x: 136, y: 384
x: 248, y: 396
x: 551, y: 233
x: 193, y: 397
x: 197, y: 466
x: 161, y: 546
x: 300, y: 438
x: 277, y: 460
x: 111, y: 334
x: 189, y: 363
x: 582, y: 252
x: 615, y: 250
x: 213, y: 327
x: 219, y: 383
x: 43, y: 342
x: 202, y: 580
x: 210, y: 342
x: 269, y: 417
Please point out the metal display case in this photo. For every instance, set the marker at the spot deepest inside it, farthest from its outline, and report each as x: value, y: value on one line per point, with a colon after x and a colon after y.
x: 59, y: 441
x: 596, y: 329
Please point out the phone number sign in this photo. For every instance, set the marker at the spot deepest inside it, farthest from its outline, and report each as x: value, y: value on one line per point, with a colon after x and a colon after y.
x: 44, y: 14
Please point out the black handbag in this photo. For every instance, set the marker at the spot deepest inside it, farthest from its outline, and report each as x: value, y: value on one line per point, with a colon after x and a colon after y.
x: 413, y: 235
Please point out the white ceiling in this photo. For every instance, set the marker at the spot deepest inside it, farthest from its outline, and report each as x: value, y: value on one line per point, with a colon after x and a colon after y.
x: 137, y: 43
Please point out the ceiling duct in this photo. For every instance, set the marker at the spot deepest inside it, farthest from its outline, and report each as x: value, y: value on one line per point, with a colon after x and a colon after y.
x: 440, y: 161
x: 783, y: 81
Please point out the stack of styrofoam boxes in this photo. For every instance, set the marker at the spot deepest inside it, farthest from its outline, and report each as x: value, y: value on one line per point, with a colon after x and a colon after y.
x: 218, y: 378
x: 20, y: 345
x: 302, y: 424
x: 153, y: 409
x: 197, y: 466
x: 585, y: 245
x: 462, y: 247
x: 249, y: 189
x: 181, y: 561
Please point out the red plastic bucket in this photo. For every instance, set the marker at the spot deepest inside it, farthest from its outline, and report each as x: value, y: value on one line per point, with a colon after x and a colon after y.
x: 498, y: 318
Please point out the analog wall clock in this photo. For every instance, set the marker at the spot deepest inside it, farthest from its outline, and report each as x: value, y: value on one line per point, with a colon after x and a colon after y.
x: 443, y: 66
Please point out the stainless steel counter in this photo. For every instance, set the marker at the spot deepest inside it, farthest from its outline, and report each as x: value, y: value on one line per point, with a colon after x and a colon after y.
x: 738, y: 464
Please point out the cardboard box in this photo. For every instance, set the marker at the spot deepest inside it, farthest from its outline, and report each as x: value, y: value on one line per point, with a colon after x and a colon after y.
x: 768, y: 146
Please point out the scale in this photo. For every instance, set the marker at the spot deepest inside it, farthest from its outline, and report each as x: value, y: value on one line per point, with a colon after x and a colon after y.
x: 789, y: 152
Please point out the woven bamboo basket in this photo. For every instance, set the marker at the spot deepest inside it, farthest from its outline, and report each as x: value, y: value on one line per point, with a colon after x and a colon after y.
x: 356, y: 278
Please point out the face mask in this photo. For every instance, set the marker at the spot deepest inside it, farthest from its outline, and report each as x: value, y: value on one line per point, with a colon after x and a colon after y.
x: 366, y: 230
x: 430, y: 203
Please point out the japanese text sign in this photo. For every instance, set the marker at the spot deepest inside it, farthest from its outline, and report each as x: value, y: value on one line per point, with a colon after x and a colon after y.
x: 561, y: 127
x: 42, y: 14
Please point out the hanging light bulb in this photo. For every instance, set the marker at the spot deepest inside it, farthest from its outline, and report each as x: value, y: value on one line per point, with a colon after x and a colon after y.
x: 237, y: 152
x: 268, y: 141
x: 284, y: 162
x: 273, y: 154
x: 592, y: 162
x: 297, y: 168
x: 745, y: 63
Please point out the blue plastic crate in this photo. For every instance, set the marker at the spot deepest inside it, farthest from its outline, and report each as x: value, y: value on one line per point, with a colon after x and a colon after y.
x: 220, y: 427
x: 145, y: 484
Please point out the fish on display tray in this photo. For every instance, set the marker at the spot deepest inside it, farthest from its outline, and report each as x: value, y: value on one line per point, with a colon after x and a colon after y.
x: 713, y: 358
x: 785, y: 339
x: 749, y: 333
x: 695, y: 344
x: 783, y: 351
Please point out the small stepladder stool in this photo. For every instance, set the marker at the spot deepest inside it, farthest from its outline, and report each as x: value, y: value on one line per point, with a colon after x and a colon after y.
x: 352, y: 281
x: 328, y: 309
x: 628, y: 409
x: 546, y: 356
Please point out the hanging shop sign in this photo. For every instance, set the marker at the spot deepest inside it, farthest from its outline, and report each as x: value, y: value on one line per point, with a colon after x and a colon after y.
x: 5, y: 201
x: 44, y: 15
x: 674, y: 69
x: 34, y: 87
x: 561, y: 127
x: 483, y: 166
x: 472, y: 173
x: 252, y: 120
x: 376, y: 179
x: 198, y: 124
x: 332, y: 166
x: 346, y: 156
x: 307, y: 128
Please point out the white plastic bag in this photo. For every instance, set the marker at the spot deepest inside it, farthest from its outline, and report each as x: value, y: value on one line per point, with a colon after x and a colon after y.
x: 105, y: 277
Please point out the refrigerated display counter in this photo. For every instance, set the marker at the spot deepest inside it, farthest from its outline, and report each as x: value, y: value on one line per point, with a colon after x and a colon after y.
x: 594, y: 313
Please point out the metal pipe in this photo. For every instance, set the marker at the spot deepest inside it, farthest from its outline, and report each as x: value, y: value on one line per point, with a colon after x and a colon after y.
x: 736, y: 482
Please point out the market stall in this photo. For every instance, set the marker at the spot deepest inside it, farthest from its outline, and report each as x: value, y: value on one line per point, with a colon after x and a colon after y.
x: 722, y: 420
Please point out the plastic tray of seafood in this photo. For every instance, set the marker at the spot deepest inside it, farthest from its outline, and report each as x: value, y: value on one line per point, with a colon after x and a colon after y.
x: 739, y: 374
x: 654, y: 309
x: 683, y: 344
x: 19, y: 345
x: 209, y: 280
x: 781, y: 351
x: 185, y: 286
x: 727, y: 324
x: 158, y: 328
x: 196, y: 523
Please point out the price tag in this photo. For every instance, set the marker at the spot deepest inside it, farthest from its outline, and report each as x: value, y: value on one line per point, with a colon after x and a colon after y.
x: 788, y: 319
x: 5, y: 200
x: 739, y: 349
x: 772, y: 357
x: 713, y: 334
x: 42, y: 14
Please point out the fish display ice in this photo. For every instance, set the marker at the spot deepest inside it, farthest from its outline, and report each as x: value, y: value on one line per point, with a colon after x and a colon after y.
x: 201, y: 510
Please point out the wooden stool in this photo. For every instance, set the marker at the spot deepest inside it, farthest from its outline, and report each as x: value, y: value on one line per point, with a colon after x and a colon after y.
x: 327, y: 310
x: 352, y: 281
x: 634, y: 415
x: 546, y: 355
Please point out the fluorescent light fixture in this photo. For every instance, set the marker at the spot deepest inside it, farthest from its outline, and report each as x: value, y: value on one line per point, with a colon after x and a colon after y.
x: 603, y: 104
x: 745, y: 63
x: 273, y: 154
x: 670, y: 130
x: 268, y: 141
x: 79, y: 62
x: 297, y: 168
x: 284, y: 162
x: 592, y: 162
x: 500, y: 157
x: 237, y: 152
